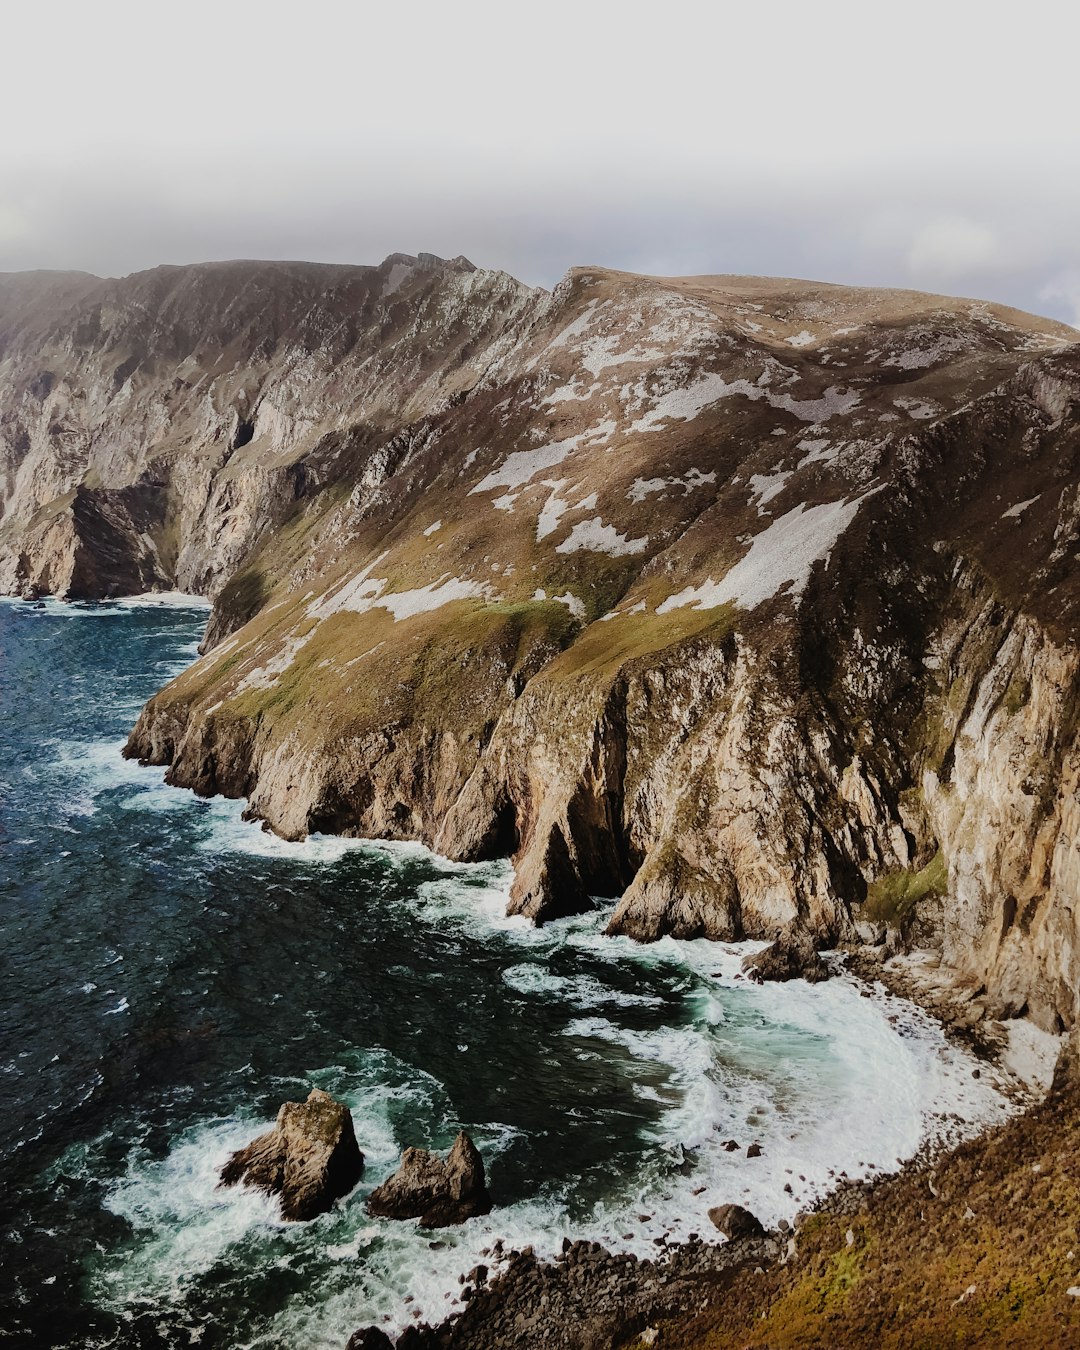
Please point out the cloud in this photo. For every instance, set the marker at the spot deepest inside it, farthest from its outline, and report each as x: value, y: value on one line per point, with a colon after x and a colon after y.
x: 1064, y: 289
x: 468, y: 128
x: 951, y: 248
x: 14, y: 226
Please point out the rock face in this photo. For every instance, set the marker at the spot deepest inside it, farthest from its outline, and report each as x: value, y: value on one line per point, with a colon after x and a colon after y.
x: 310, y: 1158
x: 792, y: 956
x: 735, y: 1222
x: 752, y: 605
x: 437, y: 1193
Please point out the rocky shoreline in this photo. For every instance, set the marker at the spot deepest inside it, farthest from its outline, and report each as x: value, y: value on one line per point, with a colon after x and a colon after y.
x: 932, y: 1255
x: 589, y: 1298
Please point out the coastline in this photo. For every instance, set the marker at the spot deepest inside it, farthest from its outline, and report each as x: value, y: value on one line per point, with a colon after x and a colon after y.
x: 588, y: 1297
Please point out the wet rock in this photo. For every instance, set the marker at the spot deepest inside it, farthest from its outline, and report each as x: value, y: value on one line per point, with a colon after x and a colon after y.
x: 437, y: 1193
x: 871, y: 934
x: 754, y: 1151
x: 310, y: 1158
x: 369, y: 1338
x: 792, y: 956
x: 735, y: 1222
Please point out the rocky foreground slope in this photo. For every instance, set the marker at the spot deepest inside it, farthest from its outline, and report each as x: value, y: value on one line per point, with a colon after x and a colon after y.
x: 752, y: 603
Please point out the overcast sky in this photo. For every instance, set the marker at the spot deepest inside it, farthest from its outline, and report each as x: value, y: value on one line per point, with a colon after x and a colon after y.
x: 928, y: 144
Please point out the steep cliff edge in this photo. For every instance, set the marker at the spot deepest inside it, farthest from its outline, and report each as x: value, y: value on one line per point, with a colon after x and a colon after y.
x: 751, y: 603
x: 154, y: 428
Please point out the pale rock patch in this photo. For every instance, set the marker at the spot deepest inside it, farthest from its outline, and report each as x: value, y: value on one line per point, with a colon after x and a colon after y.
x: 597, y: 537
x: 1015, y: 512
x: 764, y: 487
x: 781, y: 558
x: 572, y: 603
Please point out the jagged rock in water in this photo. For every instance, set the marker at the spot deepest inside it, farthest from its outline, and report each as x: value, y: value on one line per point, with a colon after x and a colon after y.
x: 310, y: 1158
x: 735, y: 1222
x: 792, y: 956
x: 437, y: 1193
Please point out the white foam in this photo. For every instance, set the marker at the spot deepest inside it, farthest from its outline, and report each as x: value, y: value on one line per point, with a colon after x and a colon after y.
x: 169, y: 599
x: 107, y: 609
x: 824, y: 1079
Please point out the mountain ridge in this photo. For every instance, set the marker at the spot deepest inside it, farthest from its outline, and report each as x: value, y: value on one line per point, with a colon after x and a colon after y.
x: 738, y: 601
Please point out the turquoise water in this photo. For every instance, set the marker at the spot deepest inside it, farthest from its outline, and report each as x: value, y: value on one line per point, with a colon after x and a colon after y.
x: 171, y: 974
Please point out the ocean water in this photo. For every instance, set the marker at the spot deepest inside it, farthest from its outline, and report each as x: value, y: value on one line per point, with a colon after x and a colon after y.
x: 171, y: 974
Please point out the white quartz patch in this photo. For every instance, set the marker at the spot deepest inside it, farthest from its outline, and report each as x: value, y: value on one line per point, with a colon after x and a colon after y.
x: 688, y: 402
x: 572, y: 603
x: 404, y: 604
x: 552, y: 510
x: 597, y: 537
x: 917, y: 408
x: 781, y: 558
x: 365, y: 592
x: 521, y: 466
x: 765, y: 486
x: 266, y: 676
x: 937, y: 348
x: 1015, y: 512
x: 691, y: 479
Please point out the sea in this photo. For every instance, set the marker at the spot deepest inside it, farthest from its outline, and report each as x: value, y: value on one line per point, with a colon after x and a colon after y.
x: 170, y: 974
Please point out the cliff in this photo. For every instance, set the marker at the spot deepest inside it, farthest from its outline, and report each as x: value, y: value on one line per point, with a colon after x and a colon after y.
x: 751, y: 603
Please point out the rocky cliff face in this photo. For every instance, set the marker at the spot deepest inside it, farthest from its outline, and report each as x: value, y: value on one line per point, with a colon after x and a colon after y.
x: 751, y: 603
x: 154, y: 429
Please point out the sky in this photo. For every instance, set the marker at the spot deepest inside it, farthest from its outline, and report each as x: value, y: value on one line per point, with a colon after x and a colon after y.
x: 932, y: 145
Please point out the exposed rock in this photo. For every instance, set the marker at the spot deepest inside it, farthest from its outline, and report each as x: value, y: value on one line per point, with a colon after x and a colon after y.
x: 437, y: 1193
x: 310, y: 1158
x: 735, y: 1222
x: 369, y: 1338
x: 749, y: 635
x: 792, y: 956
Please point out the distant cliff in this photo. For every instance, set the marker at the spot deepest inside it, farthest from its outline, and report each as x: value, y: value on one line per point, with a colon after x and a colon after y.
x: 752, y: 603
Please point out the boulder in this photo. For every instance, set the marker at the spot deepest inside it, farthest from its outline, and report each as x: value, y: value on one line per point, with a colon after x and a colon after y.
x: 437, y: 1193
x: 369, y: 1338
x: 309, y: 1158
x: 792, y: 956
x: 735, y: 1222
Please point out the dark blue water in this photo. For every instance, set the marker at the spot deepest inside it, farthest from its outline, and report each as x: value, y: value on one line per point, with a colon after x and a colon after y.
x: 169, y: 975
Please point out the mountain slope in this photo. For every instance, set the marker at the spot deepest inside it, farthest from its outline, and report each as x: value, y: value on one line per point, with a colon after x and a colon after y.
x: 752, y: 603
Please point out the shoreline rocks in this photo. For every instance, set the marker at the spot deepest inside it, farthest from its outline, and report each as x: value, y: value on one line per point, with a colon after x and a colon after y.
x: 437, y: 1193
x: 310, y: 1158
x: 735, y: 1222
x: 792, y: 956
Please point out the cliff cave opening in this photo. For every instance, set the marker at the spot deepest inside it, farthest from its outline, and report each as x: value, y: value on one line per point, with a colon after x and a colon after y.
x: 244, y: 432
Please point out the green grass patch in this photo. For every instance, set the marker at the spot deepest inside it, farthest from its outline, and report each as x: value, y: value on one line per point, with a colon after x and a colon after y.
x: 1017, y: 695
x: 893, y: 897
